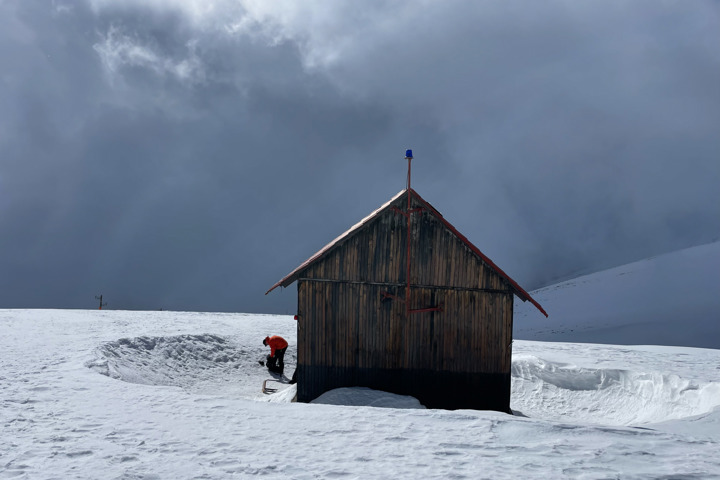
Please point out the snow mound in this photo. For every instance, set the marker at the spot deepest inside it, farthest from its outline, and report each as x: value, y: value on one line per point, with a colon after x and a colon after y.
x: 187, y: 361
x: 564, y: 392
x: 367, y: 397
x: 284, y: 395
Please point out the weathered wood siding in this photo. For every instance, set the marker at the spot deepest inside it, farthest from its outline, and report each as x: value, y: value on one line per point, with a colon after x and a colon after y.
x: 349, y: 334
x: 378, y: 254
x: 347, y: 325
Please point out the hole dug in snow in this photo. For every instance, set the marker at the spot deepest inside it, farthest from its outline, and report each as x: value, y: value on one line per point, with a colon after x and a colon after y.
x: 187, y: 361
x: 567, y: 393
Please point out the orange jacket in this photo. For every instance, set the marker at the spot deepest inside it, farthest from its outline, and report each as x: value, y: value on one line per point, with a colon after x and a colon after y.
x: 276, y: 342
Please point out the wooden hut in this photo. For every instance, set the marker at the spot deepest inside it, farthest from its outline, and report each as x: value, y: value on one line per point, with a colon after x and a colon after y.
x: 426, y: 315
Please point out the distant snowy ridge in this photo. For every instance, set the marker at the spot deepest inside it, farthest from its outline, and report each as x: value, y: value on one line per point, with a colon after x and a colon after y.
x: 671, y: 299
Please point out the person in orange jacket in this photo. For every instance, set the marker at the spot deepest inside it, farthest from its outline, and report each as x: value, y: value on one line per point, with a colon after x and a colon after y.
x: 276, y: 359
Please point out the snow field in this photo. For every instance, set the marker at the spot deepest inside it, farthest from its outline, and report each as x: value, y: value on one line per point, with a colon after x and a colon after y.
x: 671, y: 299
x: 155, y: 395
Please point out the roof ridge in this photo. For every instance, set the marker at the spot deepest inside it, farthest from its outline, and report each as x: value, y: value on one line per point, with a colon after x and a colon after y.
x: 292, y: 276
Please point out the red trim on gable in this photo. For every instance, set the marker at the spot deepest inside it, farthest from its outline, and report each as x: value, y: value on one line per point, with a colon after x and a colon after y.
x: 519, y: 290
x: 292, y: 276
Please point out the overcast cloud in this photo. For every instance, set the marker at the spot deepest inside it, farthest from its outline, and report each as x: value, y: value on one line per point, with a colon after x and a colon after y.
x: 187, y: 154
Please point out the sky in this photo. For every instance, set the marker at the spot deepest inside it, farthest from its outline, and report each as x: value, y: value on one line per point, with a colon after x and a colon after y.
x: 186, y: 155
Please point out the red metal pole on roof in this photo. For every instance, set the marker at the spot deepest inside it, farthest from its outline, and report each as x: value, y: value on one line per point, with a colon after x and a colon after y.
x: 408, y: 242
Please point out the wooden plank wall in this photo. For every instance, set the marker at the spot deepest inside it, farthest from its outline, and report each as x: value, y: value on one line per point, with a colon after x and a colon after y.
x: 349, y: 325
x: 345, y: 323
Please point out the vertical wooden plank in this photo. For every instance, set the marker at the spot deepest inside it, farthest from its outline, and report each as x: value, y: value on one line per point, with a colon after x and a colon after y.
x: 350, y: 268
x: 482, y: 317
x: 444, y: 256
x: 348, y: 316
x: 509, y: 306
x: 355, y: 313
x: 346, y: 300
x: 381, y: 256
x: 325, y: 291
x: 379, y: 263
x: 319, y: 324
x: 496, y: 321
x: 468, y: 332
x: 370, y: 274
x: 336, y: 308
x: 391, y: 254
x: 301, y: 324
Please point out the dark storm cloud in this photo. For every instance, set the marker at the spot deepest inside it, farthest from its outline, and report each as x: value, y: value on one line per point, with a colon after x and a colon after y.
x: 183, y: 155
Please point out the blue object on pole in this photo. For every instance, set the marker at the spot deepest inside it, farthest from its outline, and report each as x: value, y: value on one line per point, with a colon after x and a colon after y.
x: 408, y: 154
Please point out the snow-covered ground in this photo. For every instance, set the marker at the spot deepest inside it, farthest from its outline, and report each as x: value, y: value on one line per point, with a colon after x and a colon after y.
x: 169, y: 395
x: 671, y: 299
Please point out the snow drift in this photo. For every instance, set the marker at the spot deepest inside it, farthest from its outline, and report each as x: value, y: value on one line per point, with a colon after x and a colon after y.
x: 541, y: 388
x: 366, y: 397
x: 181, y: 361
x: 568, y: 393
x: 201, y: 418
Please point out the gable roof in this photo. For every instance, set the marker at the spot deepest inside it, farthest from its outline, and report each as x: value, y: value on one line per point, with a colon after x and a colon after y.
x: 292, y: 276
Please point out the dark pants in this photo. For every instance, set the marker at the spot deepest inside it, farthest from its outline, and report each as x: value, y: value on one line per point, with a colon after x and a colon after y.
x: 276, y: 364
